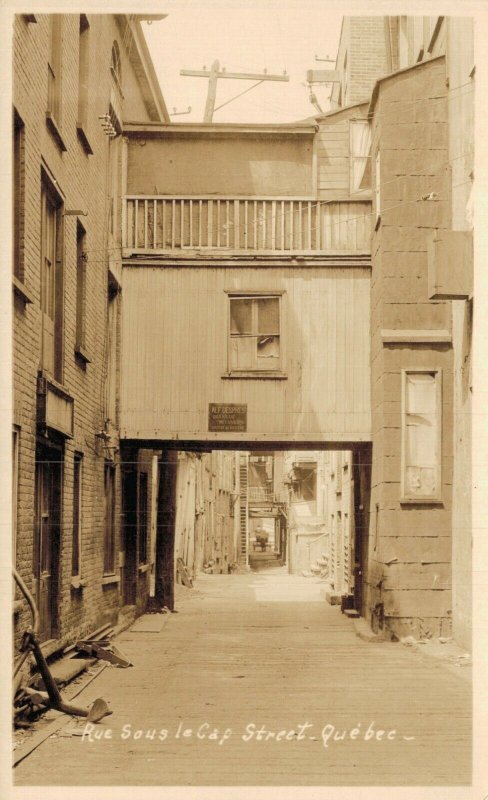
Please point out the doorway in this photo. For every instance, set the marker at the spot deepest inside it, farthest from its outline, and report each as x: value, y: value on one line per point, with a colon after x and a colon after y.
x: 48, y: 495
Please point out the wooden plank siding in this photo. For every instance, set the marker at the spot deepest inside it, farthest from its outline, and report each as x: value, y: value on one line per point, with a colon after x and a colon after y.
x: 175, y: 346
x: 334, y: 153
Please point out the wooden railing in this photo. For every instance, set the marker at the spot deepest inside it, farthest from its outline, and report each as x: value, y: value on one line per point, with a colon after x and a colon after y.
x: 278, y: 225
x: 260, y: 494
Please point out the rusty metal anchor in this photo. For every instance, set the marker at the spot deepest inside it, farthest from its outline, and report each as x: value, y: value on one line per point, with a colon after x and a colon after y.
x: 52, y: 696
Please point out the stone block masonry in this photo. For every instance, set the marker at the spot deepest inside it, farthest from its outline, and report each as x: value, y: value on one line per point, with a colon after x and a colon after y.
x: 409, y: 576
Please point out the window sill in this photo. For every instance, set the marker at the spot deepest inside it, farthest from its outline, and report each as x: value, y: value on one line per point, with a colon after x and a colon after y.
x: 83, y: 137
x: 82, y: 355
x: 421, y: 501
x: 21, y: 290
x: 54, y: 129
x: 143, y: 567
x: 433, y: 336
x: 259, y: 375
x: 109, y: 579
x: 77, y: 582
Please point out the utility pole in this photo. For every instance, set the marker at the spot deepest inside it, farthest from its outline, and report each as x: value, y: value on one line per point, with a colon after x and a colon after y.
x: 321, y: 76
x: 215, y: 73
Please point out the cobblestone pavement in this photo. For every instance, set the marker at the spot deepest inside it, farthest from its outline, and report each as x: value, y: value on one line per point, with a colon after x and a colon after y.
x: 257, y: 681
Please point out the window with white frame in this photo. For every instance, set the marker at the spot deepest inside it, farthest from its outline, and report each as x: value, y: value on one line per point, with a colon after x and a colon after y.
x: 421, y: 435
x: 255, y: 343
x: 360, y: 157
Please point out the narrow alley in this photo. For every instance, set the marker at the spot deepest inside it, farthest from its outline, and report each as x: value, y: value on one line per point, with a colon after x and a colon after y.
x: 242, y: 391
x: 258, y: 681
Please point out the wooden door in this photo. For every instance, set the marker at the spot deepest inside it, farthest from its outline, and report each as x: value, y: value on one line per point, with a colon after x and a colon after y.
x: 46, y: 559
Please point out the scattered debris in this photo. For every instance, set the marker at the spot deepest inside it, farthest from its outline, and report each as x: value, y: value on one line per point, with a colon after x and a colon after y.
x: 390, y: 561
x: 444, y: 639
x: 36, y: 702
x: 103, y: 649
x: 182, y: 574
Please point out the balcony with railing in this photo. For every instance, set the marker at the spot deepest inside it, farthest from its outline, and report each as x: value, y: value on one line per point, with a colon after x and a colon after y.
x: 177, y: 225
x: 260, y: 494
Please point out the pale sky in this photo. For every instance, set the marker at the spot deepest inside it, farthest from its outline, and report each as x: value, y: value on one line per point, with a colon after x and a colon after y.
x: 245, y: 37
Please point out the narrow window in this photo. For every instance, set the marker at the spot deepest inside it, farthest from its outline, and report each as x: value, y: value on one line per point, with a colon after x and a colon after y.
x: 51, y: 280
x: 255, y: 339
x: 83, y: 70
x: 377, y: 187
x: 80, y: 287
x: 421, y: 435
x: 116, y: 65
x: 77, y: 514
x: 142, y: 517
x: 18, y: 173
x: 109, y: 549
x: 54, y: 68
x: 15, y: 490
x: 360, y: 158
x: 112, y: 352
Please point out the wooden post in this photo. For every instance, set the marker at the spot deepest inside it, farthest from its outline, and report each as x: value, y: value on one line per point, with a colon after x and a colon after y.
x: 211, y: 92
x: 165, y: 533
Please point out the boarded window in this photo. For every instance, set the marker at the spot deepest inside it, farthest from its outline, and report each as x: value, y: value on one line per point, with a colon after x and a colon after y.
x: 421, y: 435
x: 255, y: 340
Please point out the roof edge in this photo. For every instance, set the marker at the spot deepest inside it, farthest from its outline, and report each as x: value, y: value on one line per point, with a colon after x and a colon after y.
x: 376, y: 87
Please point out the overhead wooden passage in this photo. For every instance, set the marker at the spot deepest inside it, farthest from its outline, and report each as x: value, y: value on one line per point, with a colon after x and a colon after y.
x: 184, y: 349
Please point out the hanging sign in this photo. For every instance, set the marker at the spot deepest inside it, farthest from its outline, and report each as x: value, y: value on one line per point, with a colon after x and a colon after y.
x: 227, y: 418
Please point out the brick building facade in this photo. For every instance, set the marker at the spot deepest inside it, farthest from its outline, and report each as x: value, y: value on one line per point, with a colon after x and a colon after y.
x: 76, y: 78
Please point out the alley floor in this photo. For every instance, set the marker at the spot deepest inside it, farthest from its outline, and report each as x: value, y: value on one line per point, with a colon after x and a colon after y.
x: 258, y: 681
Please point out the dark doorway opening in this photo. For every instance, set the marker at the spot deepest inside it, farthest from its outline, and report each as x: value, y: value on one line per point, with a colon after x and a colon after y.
x: 48, y: 496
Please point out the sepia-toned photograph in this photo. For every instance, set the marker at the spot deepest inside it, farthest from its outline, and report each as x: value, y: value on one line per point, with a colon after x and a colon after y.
x: 242, y: 397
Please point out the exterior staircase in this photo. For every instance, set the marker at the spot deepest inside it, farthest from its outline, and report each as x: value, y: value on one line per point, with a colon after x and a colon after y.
x: 243, y: 480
